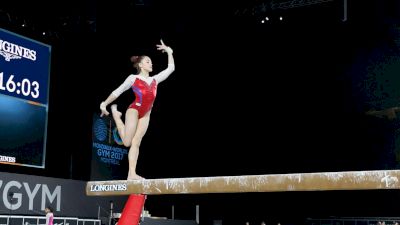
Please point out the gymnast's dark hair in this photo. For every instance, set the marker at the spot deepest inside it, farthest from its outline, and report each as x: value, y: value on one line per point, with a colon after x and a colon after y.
x: 136, y: 60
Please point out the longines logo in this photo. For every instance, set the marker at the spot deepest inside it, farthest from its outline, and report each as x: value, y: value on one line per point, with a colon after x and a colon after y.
x: 9, y: 159
x: 12, y: 51
x: 108, y: 187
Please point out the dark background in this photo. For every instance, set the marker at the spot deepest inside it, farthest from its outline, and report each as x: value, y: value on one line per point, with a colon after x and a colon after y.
x: 246, y: 97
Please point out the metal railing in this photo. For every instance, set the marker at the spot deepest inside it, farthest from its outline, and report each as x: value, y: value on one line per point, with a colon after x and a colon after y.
x: 354, y: 221
x: 41, y: 220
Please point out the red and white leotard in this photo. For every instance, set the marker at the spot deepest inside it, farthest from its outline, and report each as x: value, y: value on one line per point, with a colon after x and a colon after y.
x: 144, y: 88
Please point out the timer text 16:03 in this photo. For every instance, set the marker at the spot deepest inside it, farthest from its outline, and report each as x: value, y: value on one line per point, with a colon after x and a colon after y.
x: 25, y: 87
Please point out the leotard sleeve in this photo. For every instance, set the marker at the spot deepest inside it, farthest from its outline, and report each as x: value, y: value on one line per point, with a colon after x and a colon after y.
x: 124, y: 86
x: 165, y: 73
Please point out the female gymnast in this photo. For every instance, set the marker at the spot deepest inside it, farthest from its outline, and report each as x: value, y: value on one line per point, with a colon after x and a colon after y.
x: 137, y: 115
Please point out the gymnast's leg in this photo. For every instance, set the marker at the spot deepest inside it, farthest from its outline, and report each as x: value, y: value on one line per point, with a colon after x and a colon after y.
x: 126, y: 131
x: 133, y: 154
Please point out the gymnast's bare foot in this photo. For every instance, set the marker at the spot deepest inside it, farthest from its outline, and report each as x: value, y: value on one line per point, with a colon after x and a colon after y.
x: 116, y: 114
x: 134, y: 177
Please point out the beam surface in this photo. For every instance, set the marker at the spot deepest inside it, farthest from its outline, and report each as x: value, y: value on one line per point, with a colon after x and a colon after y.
x: 349, y: 180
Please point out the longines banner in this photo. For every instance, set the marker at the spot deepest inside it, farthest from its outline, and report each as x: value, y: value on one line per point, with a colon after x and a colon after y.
x: 29, y: 195
x: 109, y: 156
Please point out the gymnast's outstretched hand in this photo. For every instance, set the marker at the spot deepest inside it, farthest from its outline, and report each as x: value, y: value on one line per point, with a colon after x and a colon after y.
x: 164, y: 48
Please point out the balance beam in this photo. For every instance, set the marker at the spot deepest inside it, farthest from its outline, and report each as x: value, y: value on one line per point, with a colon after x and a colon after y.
x: 350, y: 180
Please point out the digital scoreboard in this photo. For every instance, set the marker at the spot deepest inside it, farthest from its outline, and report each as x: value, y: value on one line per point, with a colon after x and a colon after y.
x: 24, y: 94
